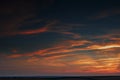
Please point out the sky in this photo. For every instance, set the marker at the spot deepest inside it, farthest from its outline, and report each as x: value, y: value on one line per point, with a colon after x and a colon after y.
x: 59, y: 37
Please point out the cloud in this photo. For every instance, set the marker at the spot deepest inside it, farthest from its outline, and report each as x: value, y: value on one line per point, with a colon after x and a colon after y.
x: 80, y: 62
x: 15, y: 56
x: 73, y: 35
x: 10, y: 27
x: 69, y: 46
x: 107, y: 13
x: 15, y: 14
x: 45, y: 62
x: 49, y: 26
x: 14, y: 50
x: 102, y: 59
x: 104, y: 46
x: 28, y: 32
x: 97, y: 65
x: 84, y: 54
x: 36, y: 31
x: 76, y: 53
x: 13, y: 29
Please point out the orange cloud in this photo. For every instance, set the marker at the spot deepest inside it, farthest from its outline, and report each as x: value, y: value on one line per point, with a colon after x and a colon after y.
x: 45, y: 28
x: 69, y: 54
x: 104, y: 46
x: 45, y: 62
x: 73, y: 35
x: 59, y: 56
x: 102, y: 65
x: 78, y: 42
x: 15, y: 56
x: 14, y: 50
x: 109, y: 46
x: 111, y: 35
x: 70, y: 46
x: 28, y: 32
x: 81, y: 62
x: 53, y: 26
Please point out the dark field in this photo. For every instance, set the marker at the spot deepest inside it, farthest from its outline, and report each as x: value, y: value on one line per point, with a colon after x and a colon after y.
x: 63, y: 78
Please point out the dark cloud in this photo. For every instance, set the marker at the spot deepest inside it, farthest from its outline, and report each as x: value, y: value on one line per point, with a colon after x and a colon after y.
x: 51, y: 37
x: 107, y: 13
x: 15, y: 13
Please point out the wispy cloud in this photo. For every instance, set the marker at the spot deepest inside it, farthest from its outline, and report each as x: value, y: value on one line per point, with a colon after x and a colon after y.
x: 16, y: 16
x: 67, y: 47
x: 52, y: 26
x: 86, y: 54
x: 107, y: 13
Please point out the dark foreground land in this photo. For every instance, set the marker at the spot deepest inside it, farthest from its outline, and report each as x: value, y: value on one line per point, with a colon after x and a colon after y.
x: 63, y: 78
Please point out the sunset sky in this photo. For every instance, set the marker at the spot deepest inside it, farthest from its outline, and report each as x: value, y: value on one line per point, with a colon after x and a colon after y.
x: 59, y: 37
